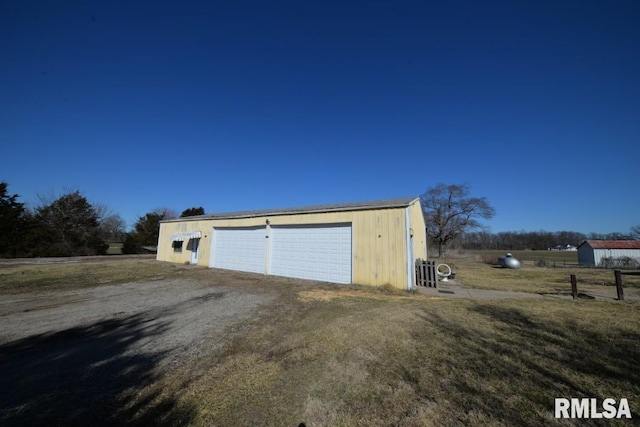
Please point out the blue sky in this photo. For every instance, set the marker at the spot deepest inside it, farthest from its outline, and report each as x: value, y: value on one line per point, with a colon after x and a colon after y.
x: 252, y: 104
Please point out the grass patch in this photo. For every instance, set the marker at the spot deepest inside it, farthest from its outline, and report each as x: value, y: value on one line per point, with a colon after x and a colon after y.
x: 560, y: 258
x: 352, y: 355
x: 477, y: 274
x: 64, y: 276
x: 361, y: 358
x: 114, y: 249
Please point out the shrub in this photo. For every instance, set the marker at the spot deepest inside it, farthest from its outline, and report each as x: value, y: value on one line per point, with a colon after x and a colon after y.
x: 489, y: 260
x: 619, y: 262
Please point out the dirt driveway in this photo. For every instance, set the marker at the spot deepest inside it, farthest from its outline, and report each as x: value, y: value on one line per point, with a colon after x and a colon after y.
x: 66, y: 356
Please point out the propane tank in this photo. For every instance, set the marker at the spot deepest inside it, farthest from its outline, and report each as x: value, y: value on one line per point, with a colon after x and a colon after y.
x: 508, y: 261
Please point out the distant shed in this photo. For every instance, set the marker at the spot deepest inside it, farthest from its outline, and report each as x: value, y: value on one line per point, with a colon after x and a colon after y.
x: 592, y: 252
x: 371, y: 243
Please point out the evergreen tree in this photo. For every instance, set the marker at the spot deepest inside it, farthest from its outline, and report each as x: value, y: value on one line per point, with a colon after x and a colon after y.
x: 192, y: 212
x: 13, y: 223
x: 146, y: 231
x: 68, y: 226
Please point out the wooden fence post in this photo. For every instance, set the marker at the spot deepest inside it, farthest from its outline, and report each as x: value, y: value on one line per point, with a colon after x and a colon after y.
x: 618, y: 275
x: 574, y: 286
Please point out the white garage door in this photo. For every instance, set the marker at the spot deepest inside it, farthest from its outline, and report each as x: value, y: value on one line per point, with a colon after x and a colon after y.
x: 241, y: 249
x: 312, y: 252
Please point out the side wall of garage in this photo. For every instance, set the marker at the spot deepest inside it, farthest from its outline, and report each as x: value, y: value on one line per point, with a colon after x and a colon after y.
x: 418, y: 230
x: 379, y: 250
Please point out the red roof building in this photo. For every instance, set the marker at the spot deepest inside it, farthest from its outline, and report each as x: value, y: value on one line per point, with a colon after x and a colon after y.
x: 613, y: 244
x: 599, y: 252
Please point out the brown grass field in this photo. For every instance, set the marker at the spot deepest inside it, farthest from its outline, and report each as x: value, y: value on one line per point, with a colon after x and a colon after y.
x: 114, y: 249
x: 476, y: 270
x: 330, y: 355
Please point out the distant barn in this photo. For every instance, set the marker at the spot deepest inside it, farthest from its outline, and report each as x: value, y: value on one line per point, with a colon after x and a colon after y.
x: 594, y: 252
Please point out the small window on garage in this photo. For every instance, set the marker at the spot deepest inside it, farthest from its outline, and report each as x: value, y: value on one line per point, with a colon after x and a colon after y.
x: 177, y: 246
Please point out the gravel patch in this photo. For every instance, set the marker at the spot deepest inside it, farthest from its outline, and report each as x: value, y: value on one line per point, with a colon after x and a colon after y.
x: 64, y: 353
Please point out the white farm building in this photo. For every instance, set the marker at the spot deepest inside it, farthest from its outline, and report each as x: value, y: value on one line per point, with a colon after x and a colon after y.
x: 592, y: 252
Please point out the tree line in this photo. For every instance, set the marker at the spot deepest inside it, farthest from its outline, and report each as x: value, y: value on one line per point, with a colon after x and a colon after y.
x: 69, y: 225
x: 146, y: 230
x: 533, y: 240
x: 452, y: 220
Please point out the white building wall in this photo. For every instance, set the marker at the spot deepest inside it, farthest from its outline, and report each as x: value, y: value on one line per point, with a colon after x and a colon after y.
x: 614, y: 253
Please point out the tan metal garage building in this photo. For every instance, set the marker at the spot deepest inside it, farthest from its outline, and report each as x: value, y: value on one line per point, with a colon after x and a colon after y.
x: 370, y: 243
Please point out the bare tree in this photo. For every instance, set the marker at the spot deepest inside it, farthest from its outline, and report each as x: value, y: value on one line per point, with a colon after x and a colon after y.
x: 449, y: 211
x: 635, y: 232
x: 165, y: 213
x: 102, y: 211
x: 113, y: 228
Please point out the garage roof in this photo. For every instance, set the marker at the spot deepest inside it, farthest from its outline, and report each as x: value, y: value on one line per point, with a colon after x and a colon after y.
x: 612, y: 244
x: 355, y: 206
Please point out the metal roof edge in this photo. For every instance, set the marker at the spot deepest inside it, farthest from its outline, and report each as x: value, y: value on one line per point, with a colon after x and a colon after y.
x: 610, y: 244
x: 338, y: 207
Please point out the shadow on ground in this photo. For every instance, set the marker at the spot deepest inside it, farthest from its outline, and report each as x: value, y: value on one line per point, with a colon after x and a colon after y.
x: 84, y: 376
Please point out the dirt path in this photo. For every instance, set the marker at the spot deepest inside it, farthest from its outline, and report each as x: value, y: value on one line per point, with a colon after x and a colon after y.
x: 89, y: 346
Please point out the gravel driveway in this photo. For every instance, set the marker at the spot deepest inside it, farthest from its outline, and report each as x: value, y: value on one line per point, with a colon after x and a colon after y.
x: 64, y: 354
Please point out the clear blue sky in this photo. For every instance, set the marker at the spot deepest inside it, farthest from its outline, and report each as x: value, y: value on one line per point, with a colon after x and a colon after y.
x: 253, y: 104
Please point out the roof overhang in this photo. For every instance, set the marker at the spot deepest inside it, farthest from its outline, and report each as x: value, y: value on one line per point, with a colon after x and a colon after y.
x: 339, y: 207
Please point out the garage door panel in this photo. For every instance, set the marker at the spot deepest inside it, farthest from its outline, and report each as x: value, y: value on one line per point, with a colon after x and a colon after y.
x: 312, y: 252
x: 241, y: 249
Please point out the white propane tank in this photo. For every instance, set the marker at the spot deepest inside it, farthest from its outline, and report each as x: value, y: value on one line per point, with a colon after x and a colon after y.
x: 508, y: 261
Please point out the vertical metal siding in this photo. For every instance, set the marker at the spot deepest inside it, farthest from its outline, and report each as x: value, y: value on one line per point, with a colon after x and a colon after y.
x: 589, y: 256
x: 379, y: 250
x: 419, y: 231
x: 409, y: 249
x: 585, y: 255
x: 614, y: 253
x: 165, y: 250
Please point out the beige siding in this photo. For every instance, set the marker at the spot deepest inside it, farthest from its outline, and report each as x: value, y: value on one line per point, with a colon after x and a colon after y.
x: 378, y: 239
x: 419, y: 231
x: 166, y: 252
x: 378, y: 247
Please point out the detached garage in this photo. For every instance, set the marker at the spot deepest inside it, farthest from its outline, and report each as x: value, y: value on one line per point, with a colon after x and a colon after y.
x: 371, y: 243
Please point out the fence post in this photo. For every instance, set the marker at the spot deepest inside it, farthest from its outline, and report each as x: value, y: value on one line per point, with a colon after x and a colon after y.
x: 618, y: 275
x: 433, y: 269
x: 420, y: 272
x: 574, y: 286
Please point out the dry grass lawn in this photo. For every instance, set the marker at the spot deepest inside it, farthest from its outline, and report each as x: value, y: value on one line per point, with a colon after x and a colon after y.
x: 349, y: 355
x: 356, y: 358
x: 475, y: 273
x: 18, y: 278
